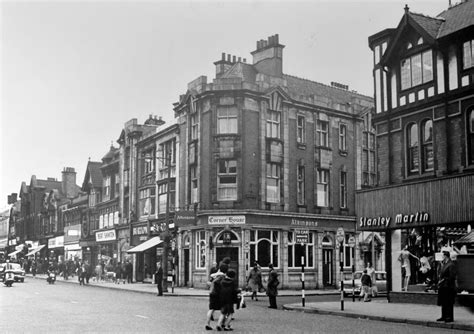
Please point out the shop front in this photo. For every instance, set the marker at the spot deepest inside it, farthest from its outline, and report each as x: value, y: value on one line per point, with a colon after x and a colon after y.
x: 72, y: 236
x: 249, y: 237
x: 419, y: 220
x: 106, y: 246
x: 56, y: 248
x: 144, y: 252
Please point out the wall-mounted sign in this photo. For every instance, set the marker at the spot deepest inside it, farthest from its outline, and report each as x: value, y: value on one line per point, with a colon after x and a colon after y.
x: 105, y: 235
x: 304, y: 222
x: 231, y: 220
x: 398, y: 221
x: 56, y: 242
x: 302, y: 236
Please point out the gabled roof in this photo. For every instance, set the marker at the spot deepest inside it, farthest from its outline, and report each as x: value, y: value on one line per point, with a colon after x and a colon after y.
x: 241, y: 70
x: 430, y: 25
x: 93, y: 175
x: 457, y: 18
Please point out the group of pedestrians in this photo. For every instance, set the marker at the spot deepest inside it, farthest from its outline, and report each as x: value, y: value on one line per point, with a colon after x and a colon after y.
x: 225, y: 292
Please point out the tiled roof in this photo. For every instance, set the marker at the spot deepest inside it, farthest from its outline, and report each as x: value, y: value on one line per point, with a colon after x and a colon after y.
x: 49, y: 184
x: 430, y: 24
x: 110, y: 154
x: 95, y: 175
x: 457, y: 18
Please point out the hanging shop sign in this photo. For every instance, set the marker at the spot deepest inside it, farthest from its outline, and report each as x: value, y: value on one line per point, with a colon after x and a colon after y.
x: 399, y: 221
x: 105, y: 236
x: 226, y: 220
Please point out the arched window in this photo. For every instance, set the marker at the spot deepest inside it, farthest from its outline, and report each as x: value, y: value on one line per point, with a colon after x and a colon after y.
x: 470, y: 135
x: 427, y: 142
x: 412, y: 148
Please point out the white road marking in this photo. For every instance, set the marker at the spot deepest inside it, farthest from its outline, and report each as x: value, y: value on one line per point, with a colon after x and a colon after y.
x: 141, y: 316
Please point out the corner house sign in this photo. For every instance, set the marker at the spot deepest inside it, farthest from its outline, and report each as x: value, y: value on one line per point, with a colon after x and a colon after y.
x: 399, y: 221
x: 105, y: 235
x: 231, y: 220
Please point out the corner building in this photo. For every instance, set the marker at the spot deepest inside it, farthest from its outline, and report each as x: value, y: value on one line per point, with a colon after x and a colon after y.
x: 424, y: 101
x: 264, y: 154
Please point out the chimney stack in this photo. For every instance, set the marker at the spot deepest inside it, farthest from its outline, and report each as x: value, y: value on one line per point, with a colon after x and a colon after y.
x: 68, y: 186
x: 268, y: 58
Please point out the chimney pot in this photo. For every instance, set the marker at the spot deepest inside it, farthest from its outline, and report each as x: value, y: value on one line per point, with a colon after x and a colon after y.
x: 228, y: 58
x: 239, y: 59
x: 234, y: 58
x: 276, y: 39
x: 223, y: 55
x: 245, y: 60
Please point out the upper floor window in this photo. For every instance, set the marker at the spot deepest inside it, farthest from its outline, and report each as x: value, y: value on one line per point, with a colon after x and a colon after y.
x: 194, y: 126
x: 163, y: 195
x: 149, y: 161
x: 227, y: 120
x: 322, y: 188
x: 417, y: 69
x: 412, y: 148
x: 470, y: 135
x: 368, y: 159
x: 300, y: 129
x: 300, y: 186
x: 343, y: 190
x: 343, y: 137
x: 273, y: 183
x: 273, y: 124
x: 468, y: 54
x: 194, y: 184
x: 227, y: 180
x: 107, y: 188
x: 147, y: 201
x: 427, y: 142
x: 117, y: 186
x: 322, y: 135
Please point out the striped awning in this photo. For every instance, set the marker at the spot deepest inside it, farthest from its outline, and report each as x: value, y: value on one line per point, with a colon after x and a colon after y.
x: 15, y: 252
x: 35, y: 250
x: 155, y: 241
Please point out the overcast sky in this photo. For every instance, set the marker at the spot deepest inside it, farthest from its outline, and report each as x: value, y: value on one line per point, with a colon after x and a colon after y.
x: 72, y: 73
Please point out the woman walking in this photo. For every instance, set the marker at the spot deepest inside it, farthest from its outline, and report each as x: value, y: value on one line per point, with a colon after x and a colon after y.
x: 254, y: 280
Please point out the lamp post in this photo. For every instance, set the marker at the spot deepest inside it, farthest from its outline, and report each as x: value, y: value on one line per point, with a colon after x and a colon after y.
x: 166, y: 233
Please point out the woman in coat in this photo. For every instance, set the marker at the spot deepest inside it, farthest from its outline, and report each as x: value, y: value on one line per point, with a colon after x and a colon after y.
x: 272, y: 286
x: 254, y: 280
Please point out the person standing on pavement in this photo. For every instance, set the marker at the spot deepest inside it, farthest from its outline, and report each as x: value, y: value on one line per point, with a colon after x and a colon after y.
x: 214, y: 302
x: 254, y: 280
x: 366, y: 282
x: 88, y: 271
x: 371, y: 273
x: 447, y: 288
x: 33, y: 267
x: 159, y: 278
x: 272, y: 286
x: 129, y: 269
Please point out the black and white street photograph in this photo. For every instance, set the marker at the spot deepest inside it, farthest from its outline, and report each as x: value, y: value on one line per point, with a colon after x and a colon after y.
x: 254, y: 166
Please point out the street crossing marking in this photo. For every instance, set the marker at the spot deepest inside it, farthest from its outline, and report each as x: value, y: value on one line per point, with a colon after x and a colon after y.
x: 141, y: 316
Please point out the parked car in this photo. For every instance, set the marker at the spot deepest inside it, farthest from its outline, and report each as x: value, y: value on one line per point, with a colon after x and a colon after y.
x: 18, y: 271
x: 380, y: 282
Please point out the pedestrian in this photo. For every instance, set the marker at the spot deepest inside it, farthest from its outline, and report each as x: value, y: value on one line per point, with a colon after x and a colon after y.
x: 129, y: 269
x: 371, y: 273
x: 214, y: 268
x: 254, y: 279
x: 272, y: 286
x: 366, y: 282
x: 227, y: 298
x: 81, y: 273
x: 447, y: 288
x: 98, y: 272
x: 159, y: 278
x: 214, y: 301
x: 33, y: 268
x: 88, y: 271
x: 118, y: 272
x: 124, y: 272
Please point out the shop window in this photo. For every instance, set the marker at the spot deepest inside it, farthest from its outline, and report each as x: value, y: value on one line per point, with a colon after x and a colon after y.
x: 227, y: 180
x: 273, y: 183
x: 273, y: 124
x: 300, y: 186
x: 322, y: 188
x: 201, y: 250
x: 264, y: 246
x: 322, y: 133
x: 227, y: 120
x: 296, y: 251
x: 470, y: 135
x: 300, y: 129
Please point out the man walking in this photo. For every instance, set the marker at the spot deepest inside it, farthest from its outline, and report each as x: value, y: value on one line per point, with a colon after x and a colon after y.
x: 272, y: 286
x: 447, y: 288
x: 159, y: 278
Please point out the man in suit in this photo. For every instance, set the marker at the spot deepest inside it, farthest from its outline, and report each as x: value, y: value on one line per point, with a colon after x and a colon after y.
x: 447, y: 288
x: 159, y: 278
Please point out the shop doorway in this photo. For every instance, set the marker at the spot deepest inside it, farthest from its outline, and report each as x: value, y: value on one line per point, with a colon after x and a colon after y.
x: 327, y: 267
x: 233, y: 253
x: 186, y: 267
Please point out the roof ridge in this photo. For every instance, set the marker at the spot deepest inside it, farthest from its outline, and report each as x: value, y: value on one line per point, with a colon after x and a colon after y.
x: 329, y: 86
x: 429, y: 17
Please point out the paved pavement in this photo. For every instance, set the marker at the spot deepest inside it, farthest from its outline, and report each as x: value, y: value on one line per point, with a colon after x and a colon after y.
x: 379, y: 309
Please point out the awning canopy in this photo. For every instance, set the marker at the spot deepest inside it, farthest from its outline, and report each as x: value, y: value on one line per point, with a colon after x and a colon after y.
x: 35, y: 250
x: 15, y: 252
x: 155, y: 241
x: 466, y: 239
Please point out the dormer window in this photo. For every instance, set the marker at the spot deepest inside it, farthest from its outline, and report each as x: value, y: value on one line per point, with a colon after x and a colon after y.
x: 416, y: 70
x: 468, y: 54
x: 420, y: 41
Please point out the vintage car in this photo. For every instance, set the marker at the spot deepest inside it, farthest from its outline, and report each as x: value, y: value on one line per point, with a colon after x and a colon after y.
x: 380, y: 283
x: 18, y: 271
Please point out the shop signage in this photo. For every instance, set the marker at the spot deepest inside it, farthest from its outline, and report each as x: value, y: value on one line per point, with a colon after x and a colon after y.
x: 105, y: 235
x: 400, y: 219
x: 183, y: 218
x: 302, y: 236
x: 230, y: 220
x: 304, y: 223
x: 72, y: 233
x: 140, y: 230
x: 56, y: 242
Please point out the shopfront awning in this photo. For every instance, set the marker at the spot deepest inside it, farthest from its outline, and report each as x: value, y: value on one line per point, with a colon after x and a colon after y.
x: 155, y: 241
x: 15, y: 252
x: 466, y: 240
x: 35, y: 250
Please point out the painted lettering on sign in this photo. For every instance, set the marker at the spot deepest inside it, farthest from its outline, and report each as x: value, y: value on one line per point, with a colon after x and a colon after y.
x: 105, y: 235
x: 419, y: 217
x: 378, y: 221
x: 140, y: 230
x: 305, y: 223
x: 213, y: 220
x: 400, y: 219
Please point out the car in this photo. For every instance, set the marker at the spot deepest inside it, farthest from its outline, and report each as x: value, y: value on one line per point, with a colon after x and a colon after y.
x: 18, y: 271
x: 380, y: 282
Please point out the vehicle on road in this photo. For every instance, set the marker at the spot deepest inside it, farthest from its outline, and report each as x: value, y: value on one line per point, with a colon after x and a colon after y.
x: 380, y: 283
x: 51, y: 277
x: 18, y: 272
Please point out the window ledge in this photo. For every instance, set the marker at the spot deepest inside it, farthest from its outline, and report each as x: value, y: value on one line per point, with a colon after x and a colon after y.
x: 343, y: 153
x: 323, y: 148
